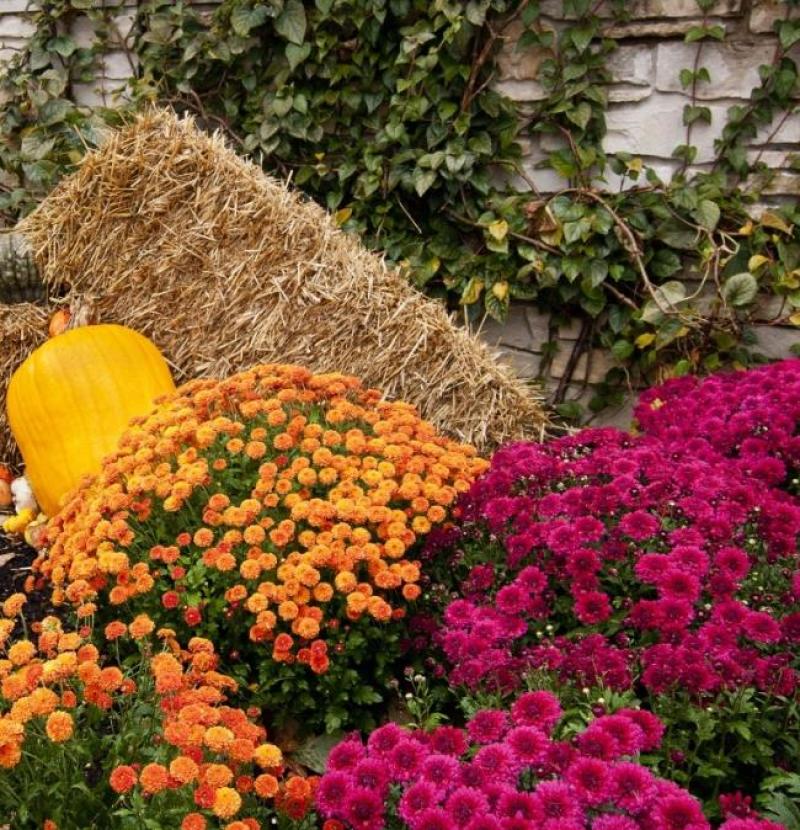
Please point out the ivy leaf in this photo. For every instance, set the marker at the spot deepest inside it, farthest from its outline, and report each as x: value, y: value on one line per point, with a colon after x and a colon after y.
x: 740, y: 289
x: 667, y: 296
x: 63, y: 45
x: 423, y: 179
x: 772, y: 220
x: 580, y: 115
x: 622, y: 349
x: 291, y: 22
x: 498, y: 229
x: 707, y: 214
x: 244, y: 19
x: 295, y: 54
x: 476, y: 11
x: 472, y: 291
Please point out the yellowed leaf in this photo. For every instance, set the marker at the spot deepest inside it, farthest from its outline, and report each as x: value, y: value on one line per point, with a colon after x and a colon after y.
x: 500, y: 290
x: 498, y: 229
x: 772, y: 220
x: 756, y: 261
x: 341, y: 216
x: 644, y: 340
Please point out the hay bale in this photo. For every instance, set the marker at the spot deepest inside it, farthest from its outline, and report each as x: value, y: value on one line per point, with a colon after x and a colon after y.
x: 23, y: 327
x: 166, y: 230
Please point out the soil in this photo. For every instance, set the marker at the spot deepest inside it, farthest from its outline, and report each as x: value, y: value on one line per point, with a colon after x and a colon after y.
x: 16, y: 557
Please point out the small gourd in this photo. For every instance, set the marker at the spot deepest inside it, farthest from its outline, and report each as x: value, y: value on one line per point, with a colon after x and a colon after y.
x: 71, y: 400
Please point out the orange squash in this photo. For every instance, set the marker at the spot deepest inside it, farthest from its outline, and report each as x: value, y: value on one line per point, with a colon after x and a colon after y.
x: 70, y: 401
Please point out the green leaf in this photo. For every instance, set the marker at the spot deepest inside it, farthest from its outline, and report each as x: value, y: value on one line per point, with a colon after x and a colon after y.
x: 580, y: 115
x: 423, y: 179
x: 63, y: 45
x: 313, y: 752
x: 622, y: 349
x: 291, y: 22
x: 740, y: 289
x: 244, y: 19
x: 707, y: 214
x: 667, y: 296
x: 295, y: 54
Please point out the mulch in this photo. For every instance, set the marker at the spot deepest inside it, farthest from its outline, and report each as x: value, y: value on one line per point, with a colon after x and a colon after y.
x: 16, y: 557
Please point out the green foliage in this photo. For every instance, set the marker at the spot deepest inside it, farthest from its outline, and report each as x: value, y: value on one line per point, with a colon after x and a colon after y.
x: 383, y: 111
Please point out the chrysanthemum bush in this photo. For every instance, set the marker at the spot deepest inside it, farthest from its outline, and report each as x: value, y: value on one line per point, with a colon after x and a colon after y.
x: 750, y: 417
x: 511, y: 769
x: 603, y: 561
x: 87, y: 742
x: 277, y: 513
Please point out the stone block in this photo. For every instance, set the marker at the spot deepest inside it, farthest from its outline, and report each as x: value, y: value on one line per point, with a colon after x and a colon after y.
x: 521, y: 91
x: 515, y: 64
x: 643, y: 9
x: 16, y: 26
x: 657, y: 27
x: 654, y: 127
x: 627, y: 93
x: 11, y: 6
x: 524, y: 364
x: 732, y: 65
x: 633, y: 64
x: 765, y: 13
x: 776, y: 341
x: 601, y: 362
x: 787, y: 132
x: 116, y: 65
x: 513, y: 331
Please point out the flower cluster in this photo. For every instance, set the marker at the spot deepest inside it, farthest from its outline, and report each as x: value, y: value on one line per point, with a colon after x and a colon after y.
x: 46, y: 680
x: 750, y: 416
x: 691, y: 566
x: 288, y: 501
x: 218, y: 754
x: 506, y: 771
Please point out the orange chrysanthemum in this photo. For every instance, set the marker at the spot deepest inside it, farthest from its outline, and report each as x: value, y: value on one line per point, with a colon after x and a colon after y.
x: 154, y: 778
x: 59, y: 726
x: 227, y: 802
x: 122, y: 779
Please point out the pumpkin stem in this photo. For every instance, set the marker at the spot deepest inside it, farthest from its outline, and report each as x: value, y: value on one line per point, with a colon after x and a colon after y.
x: 20, y: 281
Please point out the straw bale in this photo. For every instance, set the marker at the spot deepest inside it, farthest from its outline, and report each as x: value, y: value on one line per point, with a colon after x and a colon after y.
x: 23, y: 327
x: 166, y: 230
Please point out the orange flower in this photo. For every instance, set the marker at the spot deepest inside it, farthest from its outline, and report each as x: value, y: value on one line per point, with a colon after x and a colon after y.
x: 59, y: 726
x: 21, y: 652
x: 266, y: 786
x: 217, y: 775
x: 193, y: 821
x: 122, y: 779
x: 227, y: 802
x: 183, y: 769
x: 141, y: 626
x: 218, y: 738
x: 154, y: 778
x: 12, y: 606
x: 268, y: 756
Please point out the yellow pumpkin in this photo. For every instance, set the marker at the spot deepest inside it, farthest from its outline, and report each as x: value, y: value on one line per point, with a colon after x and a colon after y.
x: 70, y: 401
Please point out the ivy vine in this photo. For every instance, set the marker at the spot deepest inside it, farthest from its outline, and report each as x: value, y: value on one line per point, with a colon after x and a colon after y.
x: 385, y: 112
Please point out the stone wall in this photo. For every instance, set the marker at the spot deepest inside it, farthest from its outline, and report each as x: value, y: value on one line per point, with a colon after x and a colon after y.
x: 644, y: 119
x: 645, y: 116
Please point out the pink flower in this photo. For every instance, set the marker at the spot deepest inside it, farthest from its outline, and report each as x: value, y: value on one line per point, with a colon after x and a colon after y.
x: 540, y: 709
